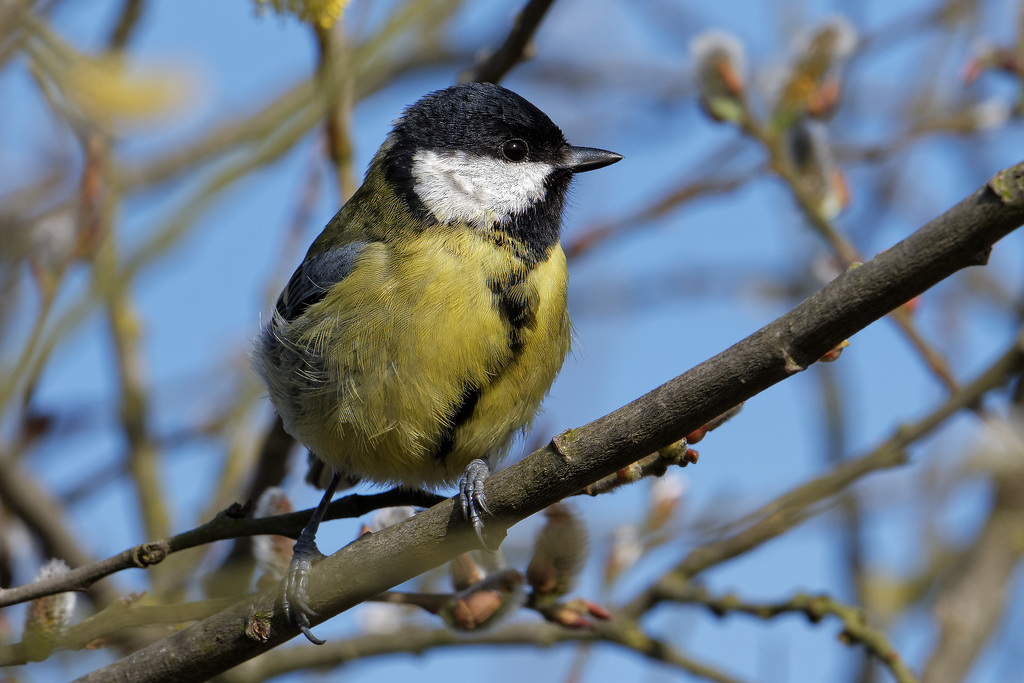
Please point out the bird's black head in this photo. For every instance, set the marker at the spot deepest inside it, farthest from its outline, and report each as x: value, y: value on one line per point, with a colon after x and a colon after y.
x: 482, y: 155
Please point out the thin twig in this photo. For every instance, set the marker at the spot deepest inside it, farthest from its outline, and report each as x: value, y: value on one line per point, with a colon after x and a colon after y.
x: 119, y: 617
x: 815, y: 607
x: 43, y: 514
x: 231, y: 523
x: 420, y: 640
x: 515, y: 48
x: 892, y: 451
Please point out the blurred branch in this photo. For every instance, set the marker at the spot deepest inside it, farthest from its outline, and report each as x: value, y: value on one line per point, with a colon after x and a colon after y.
x: 124, y: 326
x: 269, y: 469
x: 419, y: 640
x: 15, y: 382
x: 11, y: 25
x: 843, y: 250
x: 629, y: 634
x: 892, y: 451
x: 961, y: 237
x: 334, y: 58
x: 273, y: 460
x: 156, y: 244
x: 516, y: 48
x: 127, y: 23
x: 22, y: 495
x: 120, y: 617
x: 293, y: 242
x: 970, y: 604
x: 698, y: 189
x: 917, y: 22
x: 242, y: 444
x: 855, y: 628
x: 711, y: 554
x: 372, y: 64
x: 851, y: 513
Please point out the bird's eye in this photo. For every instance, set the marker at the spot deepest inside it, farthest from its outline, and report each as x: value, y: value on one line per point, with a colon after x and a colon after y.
x: 515, y: 149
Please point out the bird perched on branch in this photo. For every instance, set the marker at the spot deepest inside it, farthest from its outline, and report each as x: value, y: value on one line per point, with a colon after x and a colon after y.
x: 428, y: 320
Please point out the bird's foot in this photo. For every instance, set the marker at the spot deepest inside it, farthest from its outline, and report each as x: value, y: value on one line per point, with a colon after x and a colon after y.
x: 295, y: 600
x: 473, y: 498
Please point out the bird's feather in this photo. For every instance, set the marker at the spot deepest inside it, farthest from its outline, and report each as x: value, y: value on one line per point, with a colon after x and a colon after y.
x: 314, y: 278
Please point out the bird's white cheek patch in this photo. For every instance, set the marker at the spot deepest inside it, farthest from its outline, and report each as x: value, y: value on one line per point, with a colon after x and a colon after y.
x: 456, y: 186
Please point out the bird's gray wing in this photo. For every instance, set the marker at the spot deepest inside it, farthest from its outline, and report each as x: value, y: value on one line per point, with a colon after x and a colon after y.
x: 314, y: 277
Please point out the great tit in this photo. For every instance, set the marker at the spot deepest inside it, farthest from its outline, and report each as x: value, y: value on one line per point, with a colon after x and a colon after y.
x: 428, y: 320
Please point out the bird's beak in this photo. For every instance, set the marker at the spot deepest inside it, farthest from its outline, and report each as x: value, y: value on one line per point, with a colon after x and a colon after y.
x: 580, y: 159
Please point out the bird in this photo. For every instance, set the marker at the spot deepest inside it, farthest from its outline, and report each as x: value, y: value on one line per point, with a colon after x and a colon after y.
x: 428, y: 319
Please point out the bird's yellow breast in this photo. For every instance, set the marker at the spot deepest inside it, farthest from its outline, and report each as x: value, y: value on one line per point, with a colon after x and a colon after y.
x: 434, y: 350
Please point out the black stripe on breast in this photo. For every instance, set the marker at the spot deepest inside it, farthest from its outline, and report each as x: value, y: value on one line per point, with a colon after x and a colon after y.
x: 517, y: 303
x: 463, y: 411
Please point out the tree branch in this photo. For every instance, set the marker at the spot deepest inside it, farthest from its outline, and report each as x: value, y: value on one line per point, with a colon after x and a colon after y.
x: 43, y: 514
x: 855, y: 627
x: 971, y: 602
x: 228, y: 524
x: 419, y: 640
x: 516, y: 45
x: 890, y: 453
x: 961, y: 237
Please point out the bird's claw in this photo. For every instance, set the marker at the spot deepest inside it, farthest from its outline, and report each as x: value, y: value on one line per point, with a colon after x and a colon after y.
x: 294, y: 600
x: 473, y: 498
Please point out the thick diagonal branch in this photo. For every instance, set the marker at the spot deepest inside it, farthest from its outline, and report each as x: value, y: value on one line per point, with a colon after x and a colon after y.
x: 961, y: 237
